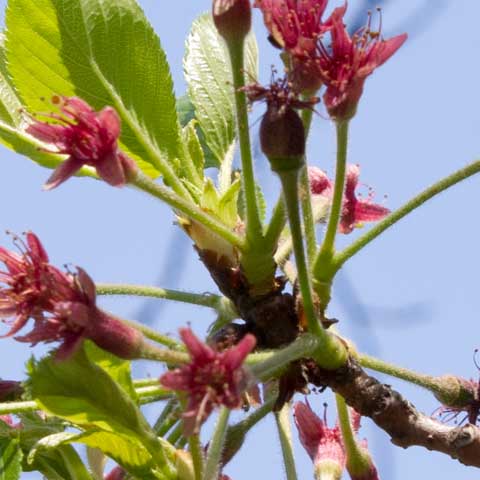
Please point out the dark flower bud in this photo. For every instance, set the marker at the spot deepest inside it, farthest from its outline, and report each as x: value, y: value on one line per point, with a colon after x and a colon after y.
x: 282, y: 137
x: 233, y: 18
x: 10, y: 390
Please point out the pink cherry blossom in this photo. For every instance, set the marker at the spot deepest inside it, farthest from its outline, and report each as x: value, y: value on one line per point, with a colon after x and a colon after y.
x: 10, y: 390
x: 325, y: 445
x: 62, y: 305
x: 296, y: 26
x: 322, y: 444
x: 211, y: 378
x: 88, y: 138
x: 117, y: 473
x: 355, y: 210
x: 345, y: 65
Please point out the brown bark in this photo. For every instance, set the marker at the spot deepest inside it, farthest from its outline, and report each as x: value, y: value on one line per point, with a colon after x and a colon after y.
x: 397, y: 416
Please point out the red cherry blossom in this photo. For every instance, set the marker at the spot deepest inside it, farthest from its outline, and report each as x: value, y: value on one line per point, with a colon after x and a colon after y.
x: 355, y: 210
x: 211, y: 378
x: 117, y: 473
x: 322, y: 444
x: 325, y: 445
x: 88, y: 138
x: 62, y: 305
x: 345, y: 65
x: 296, y: 26
x: 10, y: 390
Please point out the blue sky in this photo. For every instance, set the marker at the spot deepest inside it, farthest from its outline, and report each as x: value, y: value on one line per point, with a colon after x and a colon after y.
x: 411, y: 297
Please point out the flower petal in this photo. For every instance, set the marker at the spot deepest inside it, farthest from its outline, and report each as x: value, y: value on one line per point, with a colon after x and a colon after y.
x: 199, y: 351
x: 63, y: 172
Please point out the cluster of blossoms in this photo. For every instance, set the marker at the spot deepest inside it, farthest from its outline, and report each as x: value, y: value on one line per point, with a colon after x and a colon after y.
x: 62, y: 305
x: 326, y: 447
x: 211, y: 378
x: 355, y: 210
x: 342, y: 65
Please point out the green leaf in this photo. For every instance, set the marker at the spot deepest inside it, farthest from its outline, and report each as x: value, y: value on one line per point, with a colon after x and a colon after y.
x: 116, y: 367
x: 227, y: 207
x: 186, y: 113
x: 10, y: 459
x: 107, y: 53
x: 12, y: 121
x: 210, y: 200
x: 194, y: 147
x: 209, y: 78
x: 62, y: 463
x: 83, y: 393
x: 262, y: 204
x: 129, y: 453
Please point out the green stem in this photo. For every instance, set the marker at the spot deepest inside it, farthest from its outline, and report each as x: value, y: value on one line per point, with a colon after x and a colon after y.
x: 168, y: 418
x: 196, y: 452
x: 285, y: 433
x: 397, y: 215
x: 18, y: 407
x: 358, y: 461
x: 175, y: 434
x: 289, y: 181
x: 267, y: 365
x: 154, y: 335
x: 145, y: 382
x: 216, y: 445
x: 156, y: 450
x: 202, y: 299
x: 171, y: 357
x: 153, y: 392
x: 426, y: 381
x: 308, y: 217
x: 254, y: 231
x: 189, y: 209
x: 327, y: 250
x: 236, y: 433
x: 277, y: 223
x: 306, y: 198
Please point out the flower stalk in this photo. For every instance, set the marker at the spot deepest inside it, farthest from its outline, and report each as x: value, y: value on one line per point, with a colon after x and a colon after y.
x: 306, y: 198
x: 282, y: 419
x: 322, y: 270
x: 196, y: 452
x: 327, y: 250
x: 254, y: 232
x: 358, y: 459
x: 416, y: 202
x: 202, y: 299
x: 446, y: 388
x: 216, y: 445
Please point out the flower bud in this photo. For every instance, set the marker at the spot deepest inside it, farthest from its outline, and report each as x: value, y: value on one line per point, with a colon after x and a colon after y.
x: 282, y: 137
x: 10, y: 390
x: 233, y: 19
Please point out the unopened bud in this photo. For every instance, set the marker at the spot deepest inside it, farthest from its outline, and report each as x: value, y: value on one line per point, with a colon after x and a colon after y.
x: 282, y: 138
x: 116, y: 337
x: 233, y: 19
x: 10, y: 390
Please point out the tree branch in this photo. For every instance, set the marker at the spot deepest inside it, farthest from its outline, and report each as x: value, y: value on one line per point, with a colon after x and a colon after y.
x: 397, y: 416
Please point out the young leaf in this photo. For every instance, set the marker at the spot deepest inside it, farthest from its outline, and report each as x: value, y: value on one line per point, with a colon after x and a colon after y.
x: 128, y: 452
x: 62, y: 463
x: 208, y: 74
x: 10, y: 459
x: 116, y: 367
x: 105, y: 52
x: 12, y: 123
x: 186, y: 113
x: 80, y: 391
